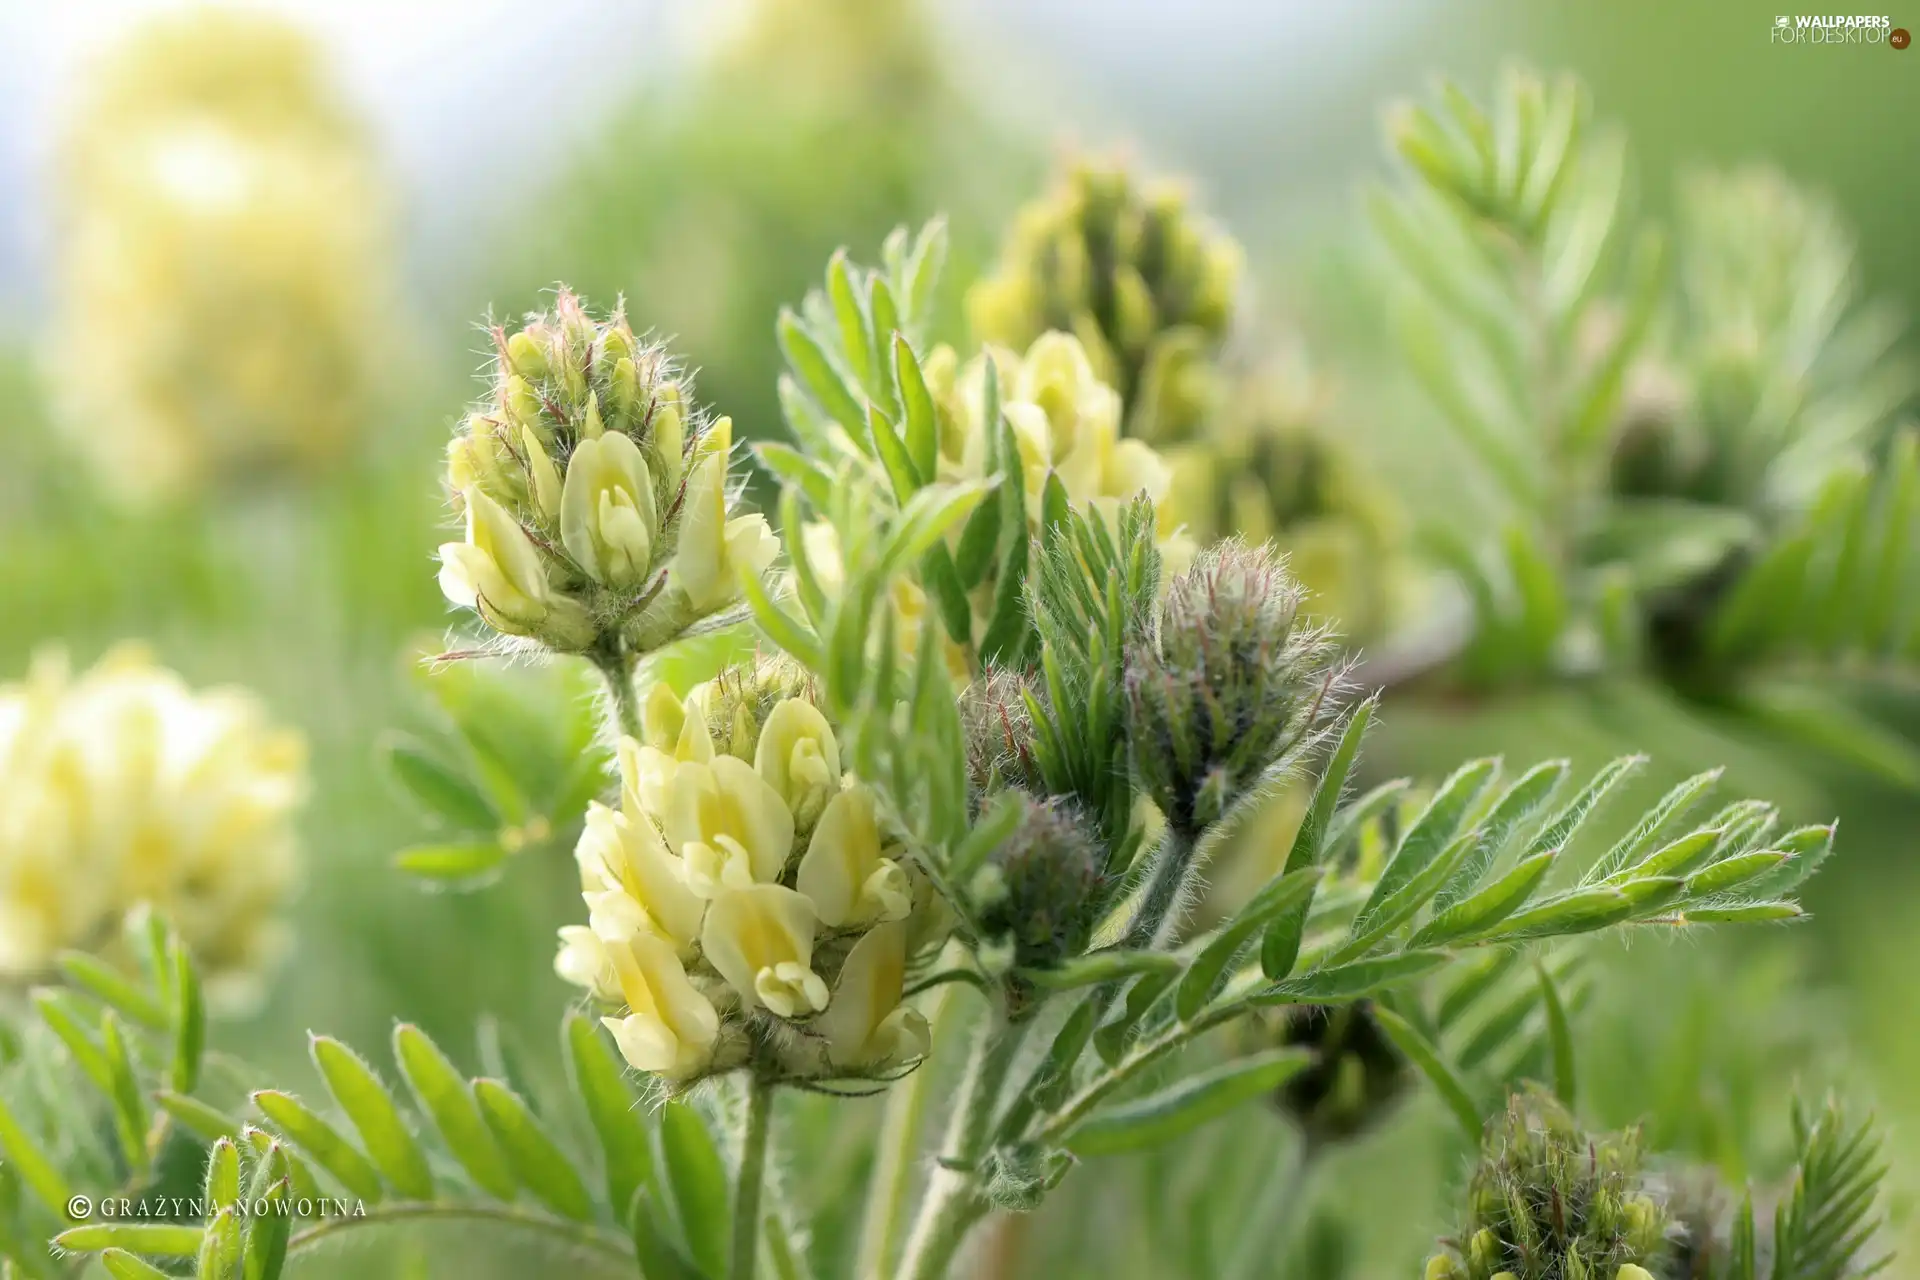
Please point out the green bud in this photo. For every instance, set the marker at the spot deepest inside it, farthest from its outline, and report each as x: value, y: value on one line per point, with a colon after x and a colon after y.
x: 525, y: 357
x: 1228, y: 680
x: 1441, y: 1267
x: 521, y: 403
x: 999, y: 734
x: 1049, y: 873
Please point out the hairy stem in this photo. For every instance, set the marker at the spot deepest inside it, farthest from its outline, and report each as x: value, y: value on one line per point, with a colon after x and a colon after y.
x: 746, y: 1188
x: 954, y: 1201
x: 1152, y: 923
x: 617, y: 670
x: 899, y: 1152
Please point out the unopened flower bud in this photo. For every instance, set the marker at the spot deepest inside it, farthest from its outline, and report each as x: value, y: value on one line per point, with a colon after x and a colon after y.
x: 526, y: 357
x: 1227, y: 682
x: 1046, y: 887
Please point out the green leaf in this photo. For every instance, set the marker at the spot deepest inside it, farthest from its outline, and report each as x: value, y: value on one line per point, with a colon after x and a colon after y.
x: 1578, y: 911
x: 220, y: 1247
x: 189, y: 1023
x: 321, y: 1142
x: 67, y: 1019
x: 122, y: 1265
x: 697, y: 1185
x: 893, y: 454
x: 1673, y: 806
x: 383, y: 1131
x: 1102, y: 966
x: 602, y: 1084
x: 1567, y: 823
x: 107, y: 985
x: 1529, y: 792
x: 1745, y: 913
x: 443, y: 794
x: 1280, y: 948
x: 979, y: 539
x: 797, y: 470
x: 817, y: 374
x: 850, y: 313
x: 1674, y: 859
x: 278, y: 1158
x: 36, y: 1170
x: 1559, y: 1036
x: 154, y: 1239
x: 129, y: 1099
x: 660, y: 1258
x: 1185, y: 1106
x: 1429, y: 835
x: 197, y: 1118
x: 1422, y: 1053
x: 923, y: 425
x: 223, y: 1174
x: 1111, y: 1039
x: 536, y: 1161
x: 1734, y: 872
x: 452, y: 862
x: 1490, y: 906
x: 267, y: 1237
x: 1351, y: 981
x: 1205, y: 975
x: 1309, y: 842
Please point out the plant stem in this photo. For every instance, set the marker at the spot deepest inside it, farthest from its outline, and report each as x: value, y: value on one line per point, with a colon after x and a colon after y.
x: 617, y: 671
x: 953, y: 1201
x: 1270, y: 1225
x: 899, y: 1151
x: 1170, y: 863
x: 753, y: 1171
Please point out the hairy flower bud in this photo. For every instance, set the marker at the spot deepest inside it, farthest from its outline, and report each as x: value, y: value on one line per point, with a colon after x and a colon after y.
x: 585, y: 527
x: 1549, y: 1201
x: 1229, y: 679
x: 1040, y: 887
x: 1145, y: 284
x: 999, y: 734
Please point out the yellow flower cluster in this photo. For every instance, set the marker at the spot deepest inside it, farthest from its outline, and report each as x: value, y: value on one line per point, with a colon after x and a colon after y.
x: 594, y: 506
x: 1148, y: 287
x: 223, y: 258
x: 744, y: 901
x: 124, y: 787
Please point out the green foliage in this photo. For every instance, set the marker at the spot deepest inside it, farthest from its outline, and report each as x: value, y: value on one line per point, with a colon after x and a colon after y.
x: 1700, y: 481
x: 235, y: 1200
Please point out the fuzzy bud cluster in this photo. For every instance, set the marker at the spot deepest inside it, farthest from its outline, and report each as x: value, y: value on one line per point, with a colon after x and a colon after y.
x: 1040, y: 889
x: 122, y: 787
x: 998, y: 723
x: 1228, y: 679
x: 1549, y: 1202
x: 1146, y: 285
x: 747, y: 905
x: 599, y: 507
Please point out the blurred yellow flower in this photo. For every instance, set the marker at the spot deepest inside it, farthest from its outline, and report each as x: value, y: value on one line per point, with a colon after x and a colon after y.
x: 124, y: 786
x: 760, y: 939
x: 714, y: 548
x: 866, y: 1025
x: 222, y: 256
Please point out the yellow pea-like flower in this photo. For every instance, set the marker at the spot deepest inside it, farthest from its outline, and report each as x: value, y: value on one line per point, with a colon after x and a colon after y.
x: 713, y: 549
x: 584, y: 962
x: 669, y: 1027
x: 497, y: 569
x: 607, y: 516
x: 647, y: 772
x: 624, y: 854
x: 760, y: 939
x: 729, y: 826
x: 866, y: 1026
x: 844, y: 873
x: 799, y: 758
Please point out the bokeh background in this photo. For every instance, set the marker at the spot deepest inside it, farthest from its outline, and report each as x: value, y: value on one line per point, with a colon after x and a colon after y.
x: 442, y: 159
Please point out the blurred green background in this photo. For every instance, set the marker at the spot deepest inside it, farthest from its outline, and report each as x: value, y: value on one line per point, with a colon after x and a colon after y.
x: 704, y: 165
